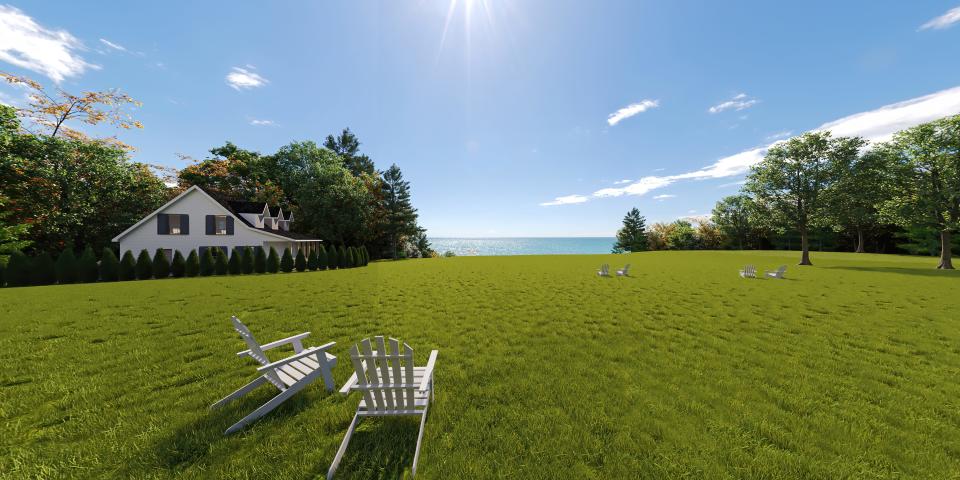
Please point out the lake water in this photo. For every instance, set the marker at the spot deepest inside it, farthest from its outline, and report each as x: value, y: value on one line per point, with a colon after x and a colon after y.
x: 523, y: 246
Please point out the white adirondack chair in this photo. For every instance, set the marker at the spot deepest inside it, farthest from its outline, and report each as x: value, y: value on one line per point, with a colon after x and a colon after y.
x: 289, y: 375
x: 390, y: 385
x: 778, y: 273
x: 625, y: 272
x: 748, y: 272
x: 604, y: 270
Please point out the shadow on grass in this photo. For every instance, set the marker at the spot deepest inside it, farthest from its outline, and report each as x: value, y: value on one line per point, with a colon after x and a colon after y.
x: 381, y: 448
x: 931, y: 272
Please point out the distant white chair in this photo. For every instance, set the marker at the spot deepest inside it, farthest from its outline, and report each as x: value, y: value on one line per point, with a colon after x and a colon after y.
x: 625, y: 272
x: 289, y: 375
x: 748, y: 272
x: 604, y: 270
x: 390, y: 385
x: 778, y: 273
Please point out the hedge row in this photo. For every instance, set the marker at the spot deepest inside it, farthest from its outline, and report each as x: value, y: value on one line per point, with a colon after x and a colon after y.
x: 21, y: 270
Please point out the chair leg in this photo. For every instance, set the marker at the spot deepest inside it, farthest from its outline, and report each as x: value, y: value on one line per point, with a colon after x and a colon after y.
x: 416, y: 454
x: 327, y: 376
x: 240, y: 392
x: 343, y: 448
x: 270, y: 405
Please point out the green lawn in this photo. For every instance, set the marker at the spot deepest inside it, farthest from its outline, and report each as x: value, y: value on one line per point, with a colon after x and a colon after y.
x: 849, y: 369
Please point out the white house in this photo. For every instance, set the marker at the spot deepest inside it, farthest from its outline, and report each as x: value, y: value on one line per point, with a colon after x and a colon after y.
x: 196, y: 220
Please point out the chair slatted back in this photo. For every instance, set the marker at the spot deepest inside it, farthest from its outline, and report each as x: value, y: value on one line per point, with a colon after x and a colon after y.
x: 385, y: 378
x: 626, y: 269
x: 750, y: 270
x: 255, y: 351
x: 781, y: 270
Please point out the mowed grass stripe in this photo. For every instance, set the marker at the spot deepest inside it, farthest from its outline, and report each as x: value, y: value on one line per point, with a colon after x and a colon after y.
x: 848, y: 369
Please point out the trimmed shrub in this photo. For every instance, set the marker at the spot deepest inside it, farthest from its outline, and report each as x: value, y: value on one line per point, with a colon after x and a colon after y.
x: 333, y: 260
x: 247, y: 261
x: 351, y: 258
x: 286, y: 262
x: 322, y: 261
x: 109, y: 266
x: 18, y: 269
x: 87, y: 266
x: 206, y: 263
x: 260, y: 260
x: 300, y: 263
x: 193, y: 264
x: 220, y: 266
x: 43, y: 271
x: 144, y: 266
x: 342, y: 260
x: 233, y: 266
x: 128, y: 266
x: 66, y: 267
x: 312, y: 262
x: 3, y: 272
x: 356, y: 256
x: 161, y: 264
x: 178, y: 267
x: 273, y: 261
x: 366, y: 255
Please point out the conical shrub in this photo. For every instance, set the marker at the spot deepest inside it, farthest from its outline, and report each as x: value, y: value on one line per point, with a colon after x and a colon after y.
x: 18, y: 269
x: 233, y: 266
x: 286, y: 262
x: 193, y: 264
x: 312, y: 261
x: 300, y: 263
x: 273, y: 261
x: 322, y: 262
x: 67, y: 267
x: 178, y: 267
x: 128, y: 266
x: 144, y: 266
x: 259, y: 260
x: 247, y: 261
x: 109, y: 266
x: 206, y: 263
x: 161, y: 264
x: 333, y: 259
x: 44, y: 270
x: 342, y: 258
x: 87, y: 266
x: 220, y: 266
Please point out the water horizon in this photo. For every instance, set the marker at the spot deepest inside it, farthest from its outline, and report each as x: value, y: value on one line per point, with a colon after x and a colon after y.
x: 502, y: 246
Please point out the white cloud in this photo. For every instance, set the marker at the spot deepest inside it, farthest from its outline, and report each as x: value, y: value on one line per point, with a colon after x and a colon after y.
x: 567, y: 200
x: 779, y: 135
x: 739, y: 102
x: 876, y: 126
x: 262, y: 123
x: 631, y: 110
x: 943, y: 21
x: 29, y: 45
x: 663, y: 197
x: 245, y: 78
x: 112, y: 45
x: 621, y: 182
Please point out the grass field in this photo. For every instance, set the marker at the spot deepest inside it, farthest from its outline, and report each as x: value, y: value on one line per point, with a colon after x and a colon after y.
x: 849, y: 369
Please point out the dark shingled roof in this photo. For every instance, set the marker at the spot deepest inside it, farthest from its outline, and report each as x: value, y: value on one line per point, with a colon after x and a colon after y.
x: 236, y: 207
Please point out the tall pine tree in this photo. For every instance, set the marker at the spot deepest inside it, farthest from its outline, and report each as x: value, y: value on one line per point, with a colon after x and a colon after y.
x: 633, y: 236
x: 401, y: 216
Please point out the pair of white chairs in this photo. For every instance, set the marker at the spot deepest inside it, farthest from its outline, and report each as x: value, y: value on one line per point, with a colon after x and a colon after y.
x: 750, y: 271
x: 605, y: 271
x: 390, y: 383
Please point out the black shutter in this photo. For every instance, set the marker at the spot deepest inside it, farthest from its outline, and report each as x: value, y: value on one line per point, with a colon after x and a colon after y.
x: 229, y: 225
x: 185, y: 224
x: 163, y: 224
x: 211, y: 224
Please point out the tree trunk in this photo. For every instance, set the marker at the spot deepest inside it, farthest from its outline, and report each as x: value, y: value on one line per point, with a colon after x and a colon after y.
x: 946, y: 256
x: 805, y: 248
x: 860, y: 240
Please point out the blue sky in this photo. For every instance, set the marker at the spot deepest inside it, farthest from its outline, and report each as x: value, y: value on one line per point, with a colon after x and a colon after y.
x: 510, y: 118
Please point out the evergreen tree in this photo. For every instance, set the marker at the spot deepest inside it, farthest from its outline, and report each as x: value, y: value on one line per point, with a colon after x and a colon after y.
x: 44, y: 271
x: 401, y: 217
x: 178, y: 267
x: 633, y: 236
x: 333, y: 260
x: 300, y: 263
x: 67, y: 267
x: 247, y: 261
x: 233, y: 266
x: 286, y: 262
x: 273, y: 261
x: 109, y: 266
x: 322, y: 261
x: 128, y: 266
x: 193, y: 264
x: 342, y: 260
x: 18, y: 269
x: 366, y: 255
x: 3, y: 273
x: 89, y: 271
x: 260, y: 260
x: 161, y: 264
x: 144, y: 266
x: 311, y: 261
x: 354, y: 258
x: 220, y: 266
x: 206, y: 263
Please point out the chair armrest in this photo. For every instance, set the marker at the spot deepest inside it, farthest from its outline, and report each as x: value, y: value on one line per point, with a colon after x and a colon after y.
x: 305, y: 353
x: 268, y: 346
x: 345, y: 390
x: 428, y: 373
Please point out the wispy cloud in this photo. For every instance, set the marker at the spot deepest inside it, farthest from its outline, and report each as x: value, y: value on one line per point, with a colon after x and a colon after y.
x: 738, y: 102
x: 567, y: 200
x: 664, y: 196
x: 943, y: 21
x: 115, y: 46
x: 29, y: 45
x: 779, y: 135
x: 262, y: 123
x: 631, y: 110
x: 245, y: 78
x: 621, y: 182
x: 876, y: 126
